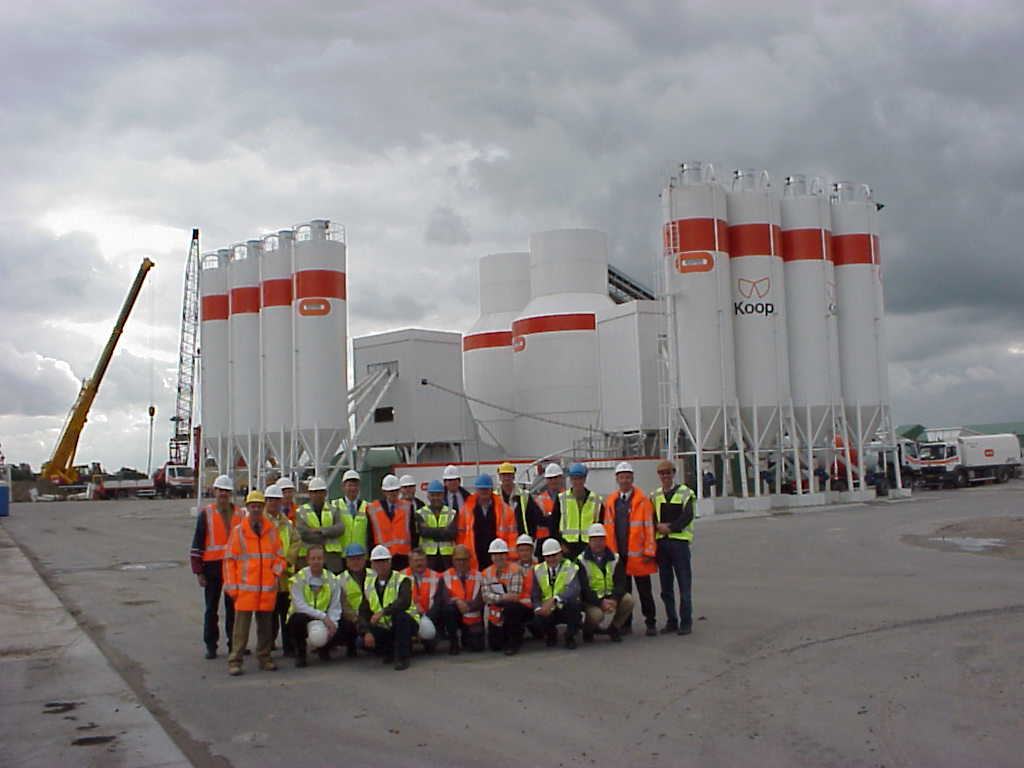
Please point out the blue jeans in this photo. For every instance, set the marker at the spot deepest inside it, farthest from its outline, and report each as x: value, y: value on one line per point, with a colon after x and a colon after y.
x: 674, y: 565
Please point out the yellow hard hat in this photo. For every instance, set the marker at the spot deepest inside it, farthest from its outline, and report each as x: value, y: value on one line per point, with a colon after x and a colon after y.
x: 255, y: 496
x: 507, y: 468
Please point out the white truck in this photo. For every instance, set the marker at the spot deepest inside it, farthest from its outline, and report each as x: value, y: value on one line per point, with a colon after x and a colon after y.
x: 966, y: 461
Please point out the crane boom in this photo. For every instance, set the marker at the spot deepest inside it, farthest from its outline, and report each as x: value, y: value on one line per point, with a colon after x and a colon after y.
x: 60, y: 467
x: 180, y: 441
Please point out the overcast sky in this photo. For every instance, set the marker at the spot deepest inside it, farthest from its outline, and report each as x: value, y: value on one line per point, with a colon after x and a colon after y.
x: 438, y: 132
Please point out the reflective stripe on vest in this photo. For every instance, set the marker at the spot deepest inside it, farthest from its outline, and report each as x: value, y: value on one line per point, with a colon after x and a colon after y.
x: 319, y: 599
x: 682, y: 496
x: 353, y: 590
x: 602, y: 581
x: 440, y: 520
x: 576, y: 522
x: 423, y: 591
x: 458, y: 590
x: 519, y: 502
x: 356, y: 526
x: 324, y: 520
x: 393, y: 532
x: 390, y: 595
x: 216, y: 543
x: 494, y: 611
x: 565, y: 573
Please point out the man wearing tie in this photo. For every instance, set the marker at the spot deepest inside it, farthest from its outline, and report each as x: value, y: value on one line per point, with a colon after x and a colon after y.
x: 454, y: 494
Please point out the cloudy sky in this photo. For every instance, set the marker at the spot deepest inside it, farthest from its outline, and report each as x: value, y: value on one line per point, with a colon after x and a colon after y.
x: 438, y: 132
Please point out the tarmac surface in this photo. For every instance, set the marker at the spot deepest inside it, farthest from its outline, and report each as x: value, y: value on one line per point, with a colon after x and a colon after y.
x: 828, y: 637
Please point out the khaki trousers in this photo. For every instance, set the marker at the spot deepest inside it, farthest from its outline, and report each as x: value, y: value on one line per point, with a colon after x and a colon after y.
x: 594, y: 614
x: 240, y: 638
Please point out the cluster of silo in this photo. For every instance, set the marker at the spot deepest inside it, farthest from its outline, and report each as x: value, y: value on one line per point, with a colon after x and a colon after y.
x: 273, y: 351
x: 775, y: 320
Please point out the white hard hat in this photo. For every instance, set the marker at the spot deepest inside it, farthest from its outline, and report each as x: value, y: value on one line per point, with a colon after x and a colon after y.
x: 451, y: 472
x: 350, y: 474
x: 623, y: 466
x: 223, y: 482
x: 427, y: 629
x: 317, y: 484
x: 405, y: 480
x: 553, y: 470
x: 551, y: 547
x: 273, y: 492
x: 390, y: 483
x: 316, y: 634
x: 380, y: 552
x: 596, y: 530
x: 284, y: 483
x: 498, y: 546
x: 524, y: 538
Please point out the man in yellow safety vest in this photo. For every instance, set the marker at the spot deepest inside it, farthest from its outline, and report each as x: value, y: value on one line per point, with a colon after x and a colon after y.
x: 316, y: 524
x: 673, y: 523
x: 580, y: 508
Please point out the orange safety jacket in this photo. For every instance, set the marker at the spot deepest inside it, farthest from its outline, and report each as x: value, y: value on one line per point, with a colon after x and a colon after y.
x: 252, y: 566
x: 467, y: 591
x: 216, y: 536
x: 640, y: 550
x: 505, y: 526
x: 494, y: 613
x: 292, y: 509
x: 547, y: 504
x: 424, y: 591
x: 394, y: 532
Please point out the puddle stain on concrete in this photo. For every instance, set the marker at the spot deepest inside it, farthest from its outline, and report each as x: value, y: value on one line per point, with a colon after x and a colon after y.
x: 91, y: 741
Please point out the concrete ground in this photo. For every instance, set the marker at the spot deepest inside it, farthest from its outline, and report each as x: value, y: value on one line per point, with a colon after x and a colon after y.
x: 830, y: 637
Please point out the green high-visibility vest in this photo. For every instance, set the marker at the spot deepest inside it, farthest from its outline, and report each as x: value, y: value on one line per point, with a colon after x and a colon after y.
x: 320, y: 599
x: 357, y: 526
x: 352, y: 590
x: 520, y: 499
x: 566, y: 572
x: 682, y: 496
x: 440, y: 520
x: 314, y: 521
x: 390, y: 595
x: 602, y: 580
x: 575, y: 522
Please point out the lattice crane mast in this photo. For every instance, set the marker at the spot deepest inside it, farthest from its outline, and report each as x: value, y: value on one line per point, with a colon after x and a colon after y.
x: 182, y: 438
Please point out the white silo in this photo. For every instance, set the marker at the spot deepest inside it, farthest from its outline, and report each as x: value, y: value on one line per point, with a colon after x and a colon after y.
x: 862, y: 358
x: 759, y: 311
x: 698, y: 291
x: 276, y: 344
x: 244, y: 326
x: 811, y: 314
x: 321, y: 339
x: 555, y: 343
x: 487, y: 346
x: 214, y: 355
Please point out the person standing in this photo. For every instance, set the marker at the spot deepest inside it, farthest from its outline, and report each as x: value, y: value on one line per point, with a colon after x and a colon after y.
x: 315, y: 524
x: 525, y: 508
x: 549, y: 521
x: 253, y: 562
x: 315, y: 596
x: 629, y: 521
x: 673, y: 522
x: 391, y: 523
x: 556, y: 595
x: 434, y: 521
x: 580, y: 508
x: 407, y: 492
x: 455, y: 495
x: 276, y: 514
x: 603, y: 587
x: 463, y: 604
x: 388, y: 617
x: 288, y: 504
x: 209, y: 542
x: 484, y: 517
x: 351, y: 510
x: 509, y: 605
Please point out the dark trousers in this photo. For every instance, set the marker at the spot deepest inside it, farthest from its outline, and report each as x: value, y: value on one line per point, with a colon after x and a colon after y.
x: 514, y: 618
x: 395, y: 640
x: 214, y: 573
x: 568, y: 614
x: 646, y: 592
x: 297, y: 632
x: 284, y: 601
x: 674, y: 566
x: 454, y: 624
x: 439, y: 563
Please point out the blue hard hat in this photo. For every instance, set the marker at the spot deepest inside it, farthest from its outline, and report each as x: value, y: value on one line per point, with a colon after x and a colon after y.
x: 436, y: 486
x: 355, y: 550
x: 577, y: 470
x: 484, y: 482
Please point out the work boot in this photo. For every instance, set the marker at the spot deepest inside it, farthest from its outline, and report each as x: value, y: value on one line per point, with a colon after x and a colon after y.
x: 267, y: 665
x: 401, y: 664
x: 669, y: 628
x: 652, y: 631
x: 211, y: 653
x: 685, y: 629
x: 511, y: 650
x: 570, y: 642
x: 588, y: 636
x: 614, y: 634
x: 234, y: 669
x: 300, y: 660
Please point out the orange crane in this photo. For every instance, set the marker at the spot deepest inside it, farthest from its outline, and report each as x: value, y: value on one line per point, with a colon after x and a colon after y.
x: 60, y: 468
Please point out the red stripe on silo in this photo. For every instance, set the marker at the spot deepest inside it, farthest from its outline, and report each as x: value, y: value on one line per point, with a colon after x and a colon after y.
x: 685, y: 235
x: 245, y: 300
x: 755, y: 240
x: 320, y: 284
x: 855, y: 249
x: 487, y: 340
x: 550, y: 323
x: 806, y: 244
x: 214, y: 307
x: 277, y: 293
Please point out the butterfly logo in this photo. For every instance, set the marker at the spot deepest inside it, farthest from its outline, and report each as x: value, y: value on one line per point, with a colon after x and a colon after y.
x: 750, y: 288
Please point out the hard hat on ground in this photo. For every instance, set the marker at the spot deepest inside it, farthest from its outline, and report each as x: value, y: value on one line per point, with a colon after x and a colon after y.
x: 498, y: 546
x: 596, y: 530
x: 553, y: 470
x: 524, y: 538
x: 506, y: 468
x: 255, y: 497
x: 390, y: 483
x: 355, y: 550
x: 435, y: 486
x: 405, y: 480
x: 317, y: 484
x: 665, y: 466
x: 484, y: 483
x: 285, y: 482
x: 223, y: 482
x: 551, y: 547
x: 623, y: 466
x: 427, y: 629
x: 451, y: 472
x: 577, y: 470
x: 350, y: 474
x: 316, y: 634
x: 380, y: 552
x: 273, y: 492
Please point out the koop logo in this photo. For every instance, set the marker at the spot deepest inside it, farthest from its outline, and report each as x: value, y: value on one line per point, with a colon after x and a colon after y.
x: 750, y: 289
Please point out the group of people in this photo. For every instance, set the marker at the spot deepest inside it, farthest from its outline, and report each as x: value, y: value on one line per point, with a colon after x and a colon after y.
x: 475, y: 569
